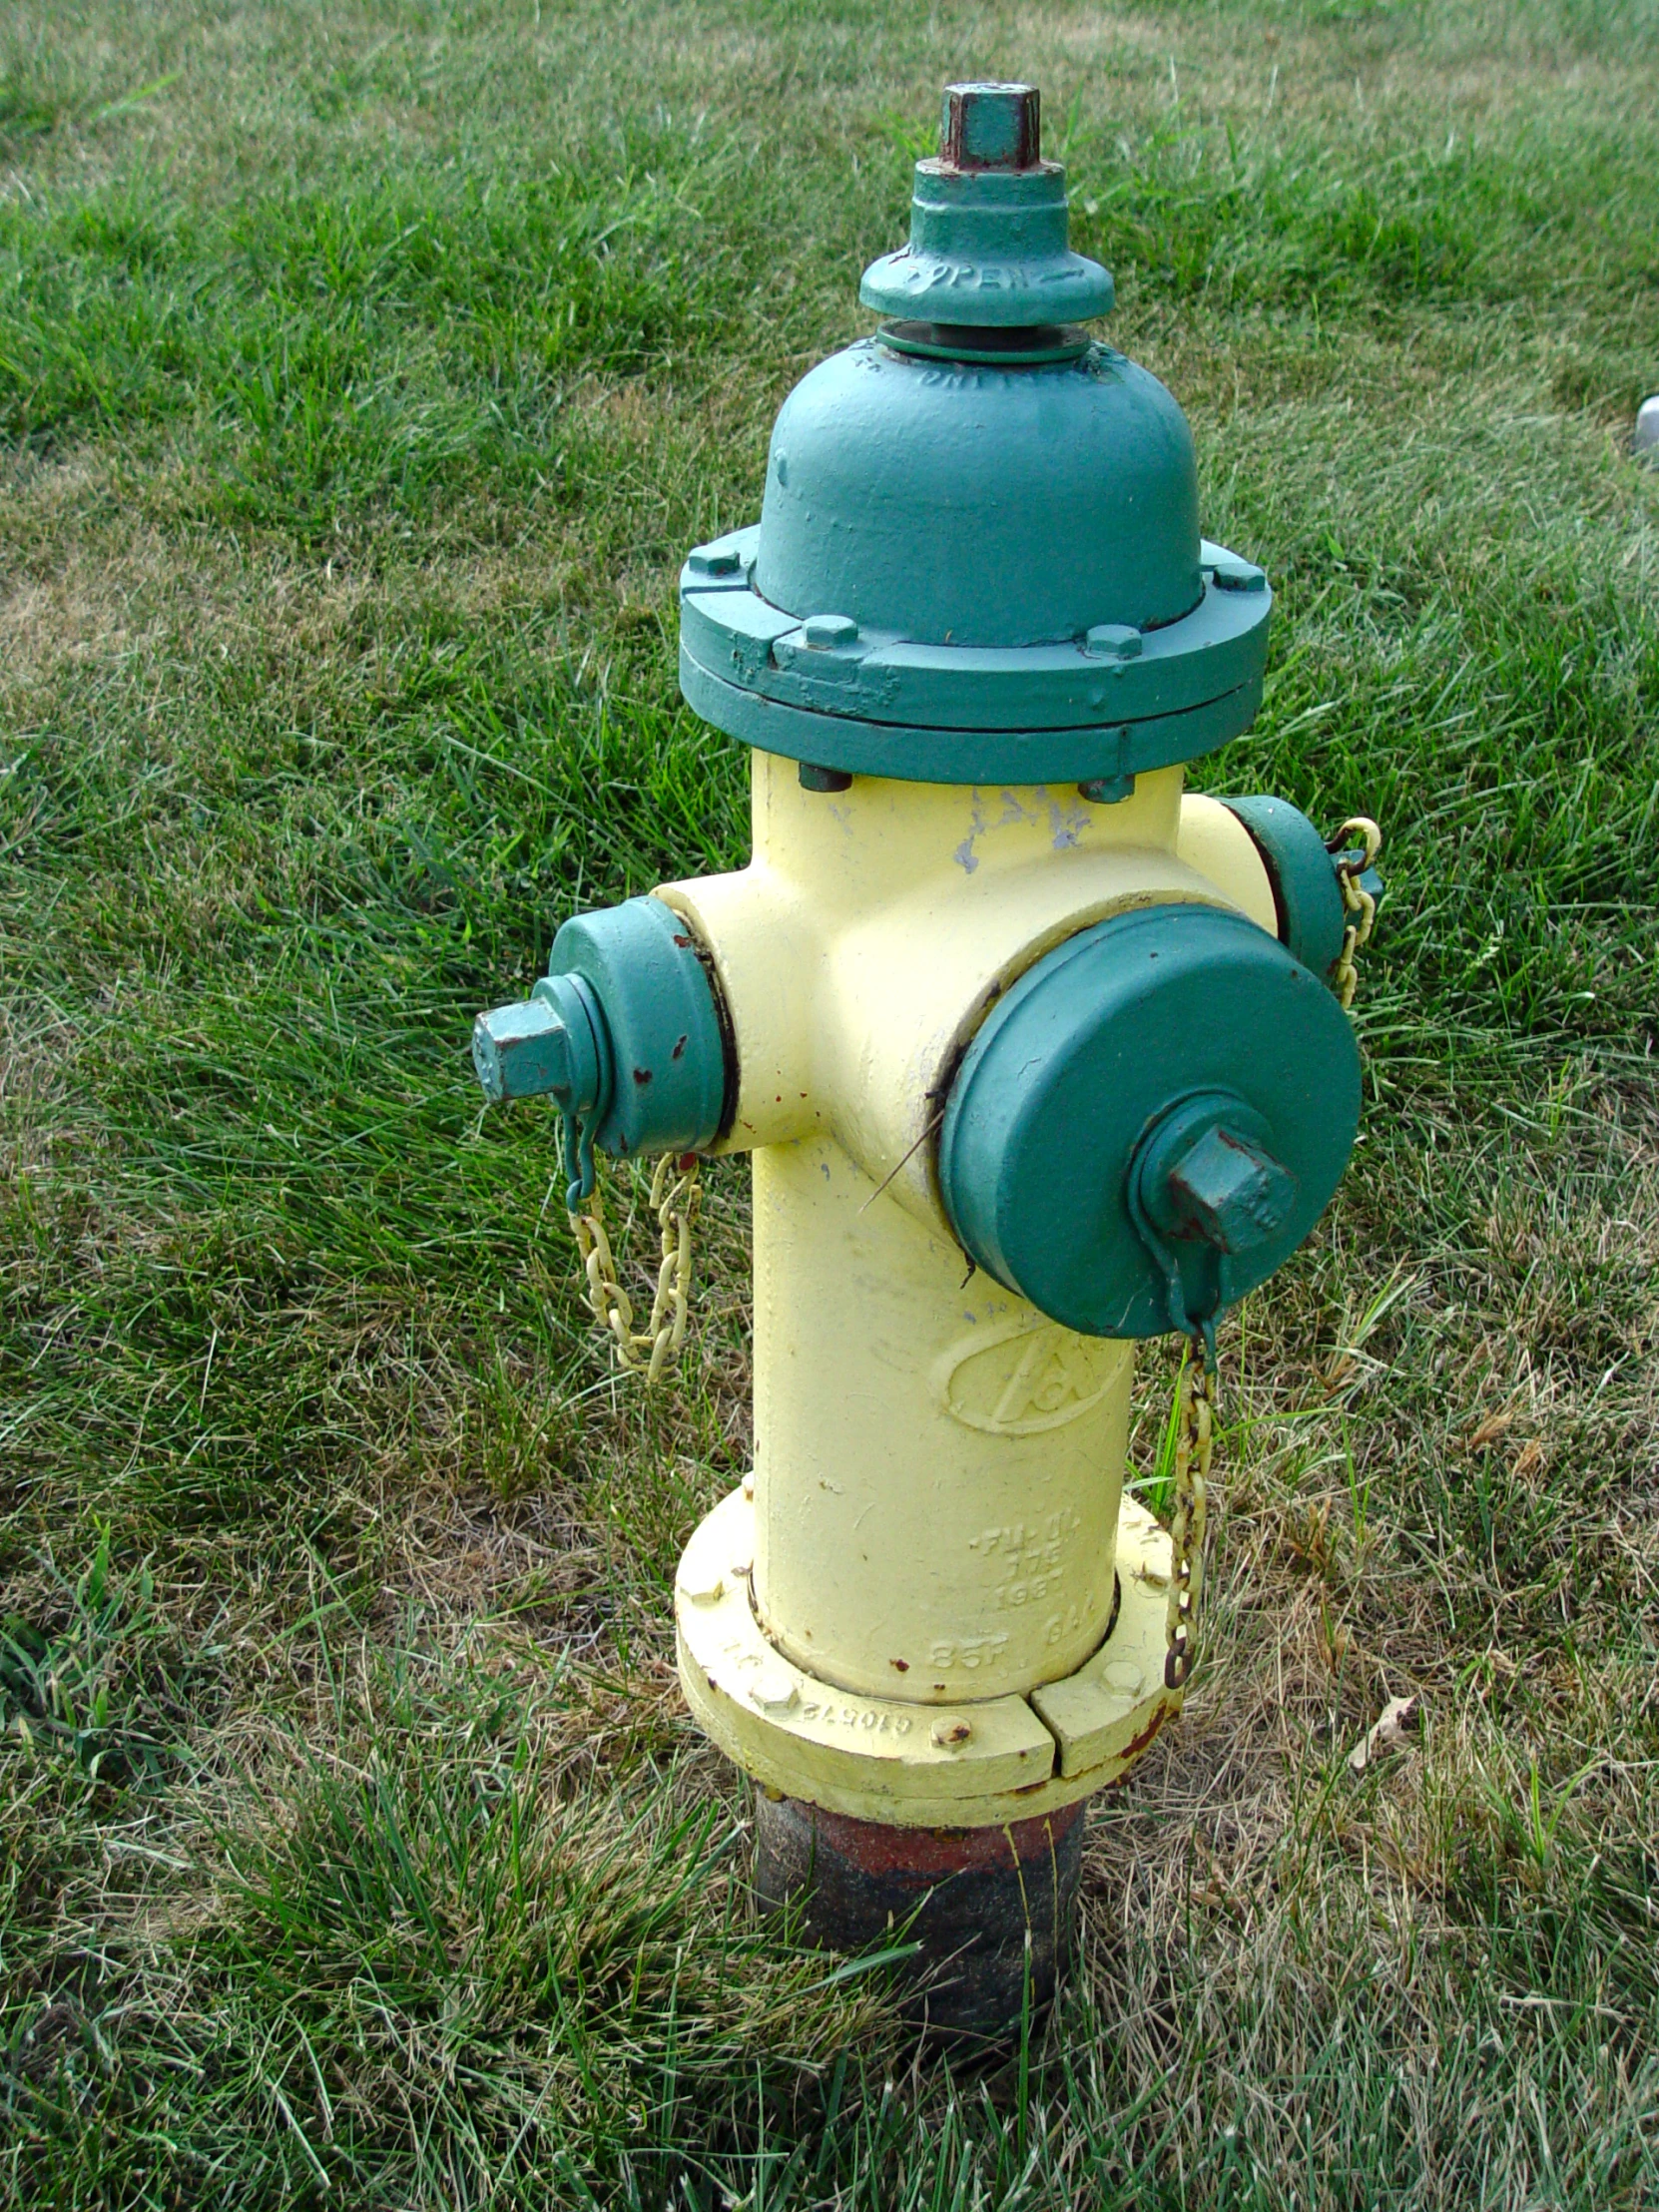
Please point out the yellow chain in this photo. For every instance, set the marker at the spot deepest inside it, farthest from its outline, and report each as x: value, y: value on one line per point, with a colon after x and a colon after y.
x: 675, y: 1195
x: 1358, y: 903
x: 1195, y: 1424
x: 1195, y: 1430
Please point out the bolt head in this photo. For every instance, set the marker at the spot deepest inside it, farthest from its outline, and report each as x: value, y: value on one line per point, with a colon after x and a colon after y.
x: 714, y: 560
x: 1113, y: 641
x: 951, y: 1732
x: 522, y: 1051
x: 1230, y: 1192
x: 1107, y: 791
x: 991, y: 126
x: 823, y: 633
x: 816, y: 779
x: 774, y: 1691
x: 1232, y: 574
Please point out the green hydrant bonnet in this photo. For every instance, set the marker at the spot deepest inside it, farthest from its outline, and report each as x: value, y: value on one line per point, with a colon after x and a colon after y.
x: 976, y: 563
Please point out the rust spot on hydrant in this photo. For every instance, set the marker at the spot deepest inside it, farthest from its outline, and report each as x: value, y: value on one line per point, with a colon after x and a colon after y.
x: 1137, y: 1743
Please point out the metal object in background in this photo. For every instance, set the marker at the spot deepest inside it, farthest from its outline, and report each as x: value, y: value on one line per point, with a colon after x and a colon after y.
x: 1645, y: 439
x: 1036, y: 1053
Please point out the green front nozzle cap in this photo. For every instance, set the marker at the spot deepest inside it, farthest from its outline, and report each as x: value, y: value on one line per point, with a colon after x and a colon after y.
x: 1149, y: 1121
x: 623, y: 1033
x: 988, y: 229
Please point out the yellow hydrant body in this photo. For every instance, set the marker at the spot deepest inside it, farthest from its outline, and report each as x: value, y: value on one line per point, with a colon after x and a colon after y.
x: 932, y: 1526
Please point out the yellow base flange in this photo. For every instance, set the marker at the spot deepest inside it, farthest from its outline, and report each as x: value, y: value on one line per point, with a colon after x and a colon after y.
x: 912, y: 1765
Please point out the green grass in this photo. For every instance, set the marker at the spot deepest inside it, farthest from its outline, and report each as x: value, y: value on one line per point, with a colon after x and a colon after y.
x: 364, y: 373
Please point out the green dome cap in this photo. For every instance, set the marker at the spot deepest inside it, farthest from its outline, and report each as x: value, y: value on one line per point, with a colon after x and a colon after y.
x: 979, y: 557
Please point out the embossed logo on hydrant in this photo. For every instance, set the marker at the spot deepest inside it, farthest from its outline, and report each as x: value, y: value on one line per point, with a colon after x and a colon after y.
x: 1017, y: 1380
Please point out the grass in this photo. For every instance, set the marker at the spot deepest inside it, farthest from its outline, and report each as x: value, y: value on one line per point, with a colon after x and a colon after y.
x: 364, y: 373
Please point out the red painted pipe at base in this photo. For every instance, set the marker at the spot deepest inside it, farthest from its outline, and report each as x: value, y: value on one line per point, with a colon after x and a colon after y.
x: 993, y: 1909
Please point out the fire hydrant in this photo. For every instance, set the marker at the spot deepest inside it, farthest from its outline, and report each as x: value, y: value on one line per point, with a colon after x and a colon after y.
x: 1034, y: 1055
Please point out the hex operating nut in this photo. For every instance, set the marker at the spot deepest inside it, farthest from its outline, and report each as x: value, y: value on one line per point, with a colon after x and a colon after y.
x: 992, y: 126
x: 521, y: 1051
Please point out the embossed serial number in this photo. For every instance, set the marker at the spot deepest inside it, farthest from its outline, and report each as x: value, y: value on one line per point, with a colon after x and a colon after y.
x: 845, y: 1716
x: 1011, y: 1595
x: 1030, y: 1558
x: 971, y: 1653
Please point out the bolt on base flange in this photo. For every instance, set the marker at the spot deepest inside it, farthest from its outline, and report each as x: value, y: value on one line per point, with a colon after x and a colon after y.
x: 994, y: 1909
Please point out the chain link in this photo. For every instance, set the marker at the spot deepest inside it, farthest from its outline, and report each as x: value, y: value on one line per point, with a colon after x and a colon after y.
x: 1359, y: 906
x: 1195, y: 1430
x: 675, y: 1192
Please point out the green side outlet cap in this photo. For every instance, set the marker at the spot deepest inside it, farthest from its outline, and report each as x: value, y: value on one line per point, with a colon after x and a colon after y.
x: 1150, y: 1121
x: 667, y: 1073
x: 623, y: 1035
x: 1304, y: 880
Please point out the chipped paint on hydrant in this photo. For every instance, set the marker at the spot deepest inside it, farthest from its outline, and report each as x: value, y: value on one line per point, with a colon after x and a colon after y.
x: 1034, y: 1052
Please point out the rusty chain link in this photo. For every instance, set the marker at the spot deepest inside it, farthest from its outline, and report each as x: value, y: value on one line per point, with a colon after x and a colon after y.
x: 1195, y: 1430
x: 1358, y: 904
x: 675, y: 1191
